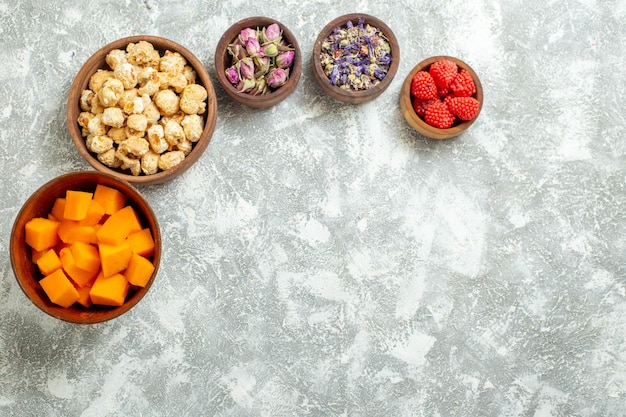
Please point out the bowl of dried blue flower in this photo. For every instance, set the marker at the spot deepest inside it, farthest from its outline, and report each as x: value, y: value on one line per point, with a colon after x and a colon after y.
x: 258, y: 62
x: 355, y: 58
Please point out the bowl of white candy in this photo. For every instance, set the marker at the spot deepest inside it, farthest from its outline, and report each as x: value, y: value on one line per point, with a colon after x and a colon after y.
x: 142, y: 108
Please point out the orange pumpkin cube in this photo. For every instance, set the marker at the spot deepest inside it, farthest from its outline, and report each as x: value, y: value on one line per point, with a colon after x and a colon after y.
x: 49, y: 262
x: 67, y: 231
x: 114, y: 258
x: 109, y: 198
x: 139, y: 270
x: 41, y: 233
x: 79, y: 276
x: 86, y: 256
x: 59, y: 289
x: 58, y: 208
x: 95, y: 211
x: 71, y: 231
x: 141, y: 242
x: 118, y: 226
x: 110, y: 291
x: 76, y: 204
x: 83, y: 296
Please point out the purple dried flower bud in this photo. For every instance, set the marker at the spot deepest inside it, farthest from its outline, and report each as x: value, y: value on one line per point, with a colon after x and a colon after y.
x: 262, y: 64
x: 247, y: 33
x: 285, y: 59
x: 237, y: 51
x: 271, y: 33
x: 277, y: 77
x: 252, y: 46
x: 283, y: 46
x: 269, y: 49
x: 246, y: 85
x: 246, y: 68
x: 232, y: 74
x: 260, y: 87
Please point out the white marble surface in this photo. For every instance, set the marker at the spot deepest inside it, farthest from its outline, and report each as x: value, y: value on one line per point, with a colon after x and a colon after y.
x: 325, y: 260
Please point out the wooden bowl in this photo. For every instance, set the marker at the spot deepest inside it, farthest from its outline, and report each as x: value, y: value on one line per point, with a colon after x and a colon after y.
x: 352, y: 96
x: 39, y: 204
x: 96, y: 62
x: 223, y: 60
x: 416, y: 122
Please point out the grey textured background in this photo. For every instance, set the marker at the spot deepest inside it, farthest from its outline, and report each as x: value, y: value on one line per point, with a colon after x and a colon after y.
x: 325, y: 260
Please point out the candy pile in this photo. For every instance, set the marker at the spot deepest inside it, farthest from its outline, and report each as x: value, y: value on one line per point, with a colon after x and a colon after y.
x: 144, y: 114
x: 444, y: 94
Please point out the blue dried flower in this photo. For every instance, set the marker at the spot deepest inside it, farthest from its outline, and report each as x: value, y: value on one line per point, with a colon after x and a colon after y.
x: 384, y: 60
x: 380, y: 74
x: 334, y: 74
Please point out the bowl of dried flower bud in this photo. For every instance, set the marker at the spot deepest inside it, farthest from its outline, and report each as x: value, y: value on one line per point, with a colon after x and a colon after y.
x: 441, y: 97
x: 355, y: 58
x: 258, y: 62
x: 142, y: 108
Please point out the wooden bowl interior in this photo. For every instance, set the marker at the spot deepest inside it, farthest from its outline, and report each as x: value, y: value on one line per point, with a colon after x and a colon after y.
x: 354, y: 96
x: 97, y: 61
x: 223, y: 60
x: 39, y: 205
x: 416, y: 122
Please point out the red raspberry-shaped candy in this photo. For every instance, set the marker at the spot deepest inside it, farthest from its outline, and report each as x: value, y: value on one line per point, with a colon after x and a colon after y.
x: 423, y: 86
x: 462, y: 85
x: 438, y: 115
x: 420, y: 105
x: 465, y: 108
x: 443, y: 71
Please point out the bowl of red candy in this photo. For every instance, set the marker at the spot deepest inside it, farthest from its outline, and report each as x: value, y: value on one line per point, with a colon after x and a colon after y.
x: 441, y: 97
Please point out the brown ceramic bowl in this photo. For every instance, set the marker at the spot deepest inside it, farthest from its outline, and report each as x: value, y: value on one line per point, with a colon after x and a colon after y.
x: 416, y: 122
x: 224, y: 60
x: 96, y: 62
x: 352, y: 96
x: 39, y: 204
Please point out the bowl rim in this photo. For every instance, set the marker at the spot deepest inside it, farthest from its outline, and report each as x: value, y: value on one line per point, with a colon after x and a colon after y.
x: 355, y: 96
x: 221, y: 58
x: 18, y: 248
x: 81, y: 81
x: 416, y: 122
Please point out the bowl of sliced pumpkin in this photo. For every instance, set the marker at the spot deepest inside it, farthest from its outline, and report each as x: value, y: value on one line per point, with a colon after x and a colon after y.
x: 85, y: 247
